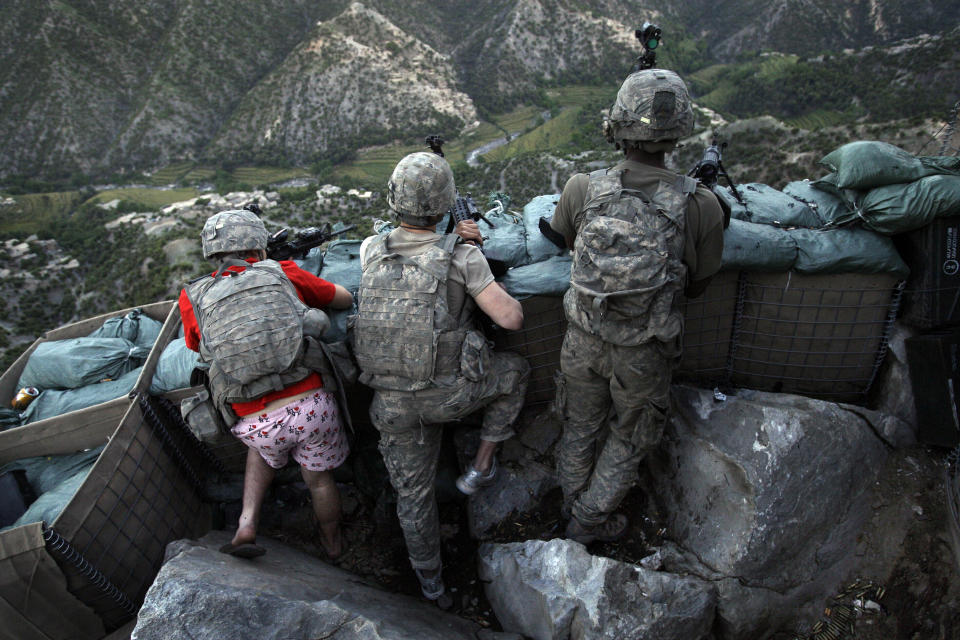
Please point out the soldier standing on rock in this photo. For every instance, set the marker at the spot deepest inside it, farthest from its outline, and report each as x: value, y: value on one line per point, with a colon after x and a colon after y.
x: 418, y: 347
x: 642, y: 237
x: 252, y: 322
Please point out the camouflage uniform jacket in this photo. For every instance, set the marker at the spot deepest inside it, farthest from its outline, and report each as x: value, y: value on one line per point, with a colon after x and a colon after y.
x: 253, y: 327
x: 628, y: 273
x: 405, y: 337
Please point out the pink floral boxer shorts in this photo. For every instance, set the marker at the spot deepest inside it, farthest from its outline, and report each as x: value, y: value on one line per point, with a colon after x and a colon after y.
x: 308, y: 426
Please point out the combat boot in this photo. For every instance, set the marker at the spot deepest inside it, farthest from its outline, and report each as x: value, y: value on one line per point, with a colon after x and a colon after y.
x: 613, y: 528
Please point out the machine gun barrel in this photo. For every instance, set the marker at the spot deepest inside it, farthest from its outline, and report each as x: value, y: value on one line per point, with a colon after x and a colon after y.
x: 279, y: 248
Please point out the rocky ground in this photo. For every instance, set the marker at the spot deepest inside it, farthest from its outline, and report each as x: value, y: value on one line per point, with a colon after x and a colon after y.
x: 919, y: 600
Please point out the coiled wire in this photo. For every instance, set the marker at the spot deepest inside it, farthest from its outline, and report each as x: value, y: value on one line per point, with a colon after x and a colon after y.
x: 67, y: 553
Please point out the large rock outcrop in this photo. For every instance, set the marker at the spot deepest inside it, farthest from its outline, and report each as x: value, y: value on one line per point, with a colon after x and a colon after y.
x: 766, y: 494
x: 556, y: 590
x: 202, y: 594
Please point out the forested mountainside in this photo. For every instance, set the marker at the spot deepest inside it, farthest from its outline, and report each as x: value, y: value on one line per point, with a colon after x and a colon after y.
x: 101, y: 87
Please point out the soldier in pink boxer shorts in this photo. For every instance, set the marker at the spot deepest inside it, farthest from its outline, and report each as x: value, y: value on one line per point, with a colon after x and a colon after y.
x: 252, y: 322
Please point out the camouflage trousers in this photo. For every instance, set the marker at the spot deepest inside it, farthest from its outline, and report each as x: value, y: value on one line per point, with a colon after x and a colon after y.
x: 410, y: 425
x: 596, y: 376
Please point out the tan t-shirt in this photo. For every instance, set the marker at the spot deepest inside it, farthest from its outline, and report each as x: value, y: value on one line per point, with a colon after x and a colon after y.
x: 703, y: 235
x: 469, y: 272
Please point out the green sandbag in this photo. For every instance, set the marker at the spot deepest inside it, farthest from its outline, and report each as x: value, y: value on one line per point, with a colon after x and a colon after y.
x: 765, y: 205
x: 55, y: 479
x: 9, y: 418
x: 898, y: 208
x: 851, y: 250
x: 867, y: 164
x: 341, y: 265
x: 506, y: 240
x: 757, y: 247
x: 831, y: 204
x: 174, y: 367
x: 538, y: 247
x: 135, y: 326
x: 78, y: 362
x: 550, y: 277
x: 53, y: 402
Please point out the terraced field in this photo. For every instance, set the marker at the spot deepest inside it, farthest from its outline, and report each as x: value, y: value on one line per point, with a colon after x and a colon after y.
x: 35, y: 212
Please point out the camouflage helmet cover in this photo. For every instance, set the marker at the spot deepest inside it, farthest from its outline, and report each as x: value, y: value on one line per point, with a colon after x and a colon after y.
x: 234, y: 230
x: 652, y: 105
x: 421, y: 188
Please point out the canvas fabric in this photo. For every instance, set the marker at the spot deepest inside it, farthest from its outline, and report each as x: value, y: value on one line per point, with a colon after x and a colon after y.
x: 410, y: 426
x: 253, y: 326
x: 628, y: 273
x: 405, y: 337
x: 598, y: 376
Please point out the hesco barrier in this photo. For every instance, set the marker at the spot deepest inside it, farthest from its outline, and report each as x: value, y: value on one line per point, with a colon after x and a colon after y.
x: 227, y: 453
x: 823, y: 336
x: 104, y: 417
x: 86, y: 573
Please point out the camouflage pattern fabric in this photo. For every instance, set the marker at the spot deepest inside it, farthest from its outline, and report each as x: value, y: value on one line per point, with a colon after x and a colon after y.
x: 628, y: 273
x: 652, y: 105
x: 596, y: 375
x: 410, y: 426
x: 234, y: 230
x: 252, y: 326
x: 421, y: 188
x: 404, y: 336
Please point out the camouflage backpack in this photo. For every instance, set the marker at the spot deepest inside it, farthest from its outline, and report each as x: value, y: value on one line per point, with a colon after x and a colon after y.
x: 627, y: 274
x: 252, y: 327
x: 405, y: 338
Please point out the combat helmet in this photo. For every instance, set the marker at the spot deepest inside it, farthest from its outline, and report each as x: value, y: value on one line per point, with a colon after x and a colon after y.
x: 653, y: 106
x: 233, y: 230
x: 421, y: 189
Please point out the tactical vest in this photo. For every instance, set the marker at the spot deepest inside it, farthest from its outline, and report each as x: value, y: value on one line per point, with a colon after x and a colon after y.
x: 252, y: 329
x: 628, y: 273
x: 405, y: 338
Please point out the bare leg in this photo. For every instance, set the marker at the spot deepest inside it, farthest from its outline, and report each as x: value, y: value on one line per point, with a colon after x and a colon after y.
x: 257, y: 477
x: 484, y: 457
x: 325, y: 497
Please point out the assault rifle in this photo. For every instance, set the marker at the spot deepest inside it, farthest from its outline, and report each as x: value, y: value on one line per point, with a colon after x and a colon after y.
x: 709, y: 170
x: 279, y: 248
x: 464, y: 208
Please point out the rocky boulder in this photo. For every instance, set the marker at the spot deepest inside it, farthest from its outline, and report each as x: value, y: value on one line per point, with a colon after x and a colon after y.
x: 555, y: 590
x: 766, y: 494
x: 202, y: 594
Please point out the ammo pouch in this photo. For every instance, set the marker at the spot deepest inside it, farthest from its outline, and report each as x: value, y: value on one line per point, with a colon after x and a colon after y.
x: 202, y: 417
x: 476, y: 355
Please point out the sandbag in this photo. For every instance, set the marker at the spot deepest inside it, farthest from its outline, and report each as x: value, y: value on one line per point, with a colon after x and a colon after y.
x: 55, y: 479
x: 135, y: 326
x: 898, y: 208
x: 54, y: 402
x: 78, y: 362
x: 850, y: 250
x: 174, y: 367
x: 341, y: 265
x: 831, y: 204
x: 867, y: 164
x: 757, y: 247
x: 538, y: 247
x: 506, y: 240
x: 763, y: 204
x: 550, y: 277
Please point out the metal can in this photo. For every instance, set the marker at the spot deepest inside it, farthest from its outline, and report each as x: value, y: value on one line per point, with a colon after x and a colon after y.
x: 24, y: 397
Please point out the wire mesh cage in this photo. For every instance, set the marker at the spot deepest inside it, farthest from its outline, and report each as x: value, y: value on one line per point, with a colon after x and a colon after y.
x: 818, y: 335
x: 108, y: 542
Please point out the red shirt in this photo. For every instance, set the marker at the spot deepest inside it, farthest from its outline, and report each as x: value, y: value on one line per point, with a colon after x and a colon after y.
x: 313, y: 291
